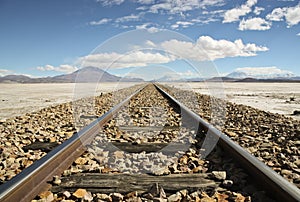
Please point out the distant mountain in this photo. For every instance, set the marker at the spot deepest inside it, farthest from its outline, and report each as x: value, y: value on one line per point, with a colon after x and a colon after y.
x: 221, y: 79
x: 295, y: 78
x: 84, y: 75
x: 277, y: 80
x: 87, y: 74
x: 195, y: 79
x: 15, y: 79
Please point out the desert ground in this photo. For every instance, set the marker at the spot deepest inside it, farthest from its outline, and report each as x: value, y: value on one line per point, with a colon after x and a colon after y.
x: 281, y: 98
x: 18, y: 99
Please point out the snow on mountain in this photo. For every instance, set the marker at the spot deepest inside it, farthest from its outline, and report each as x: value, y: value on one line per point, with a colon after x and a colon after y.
x: 260, y: 73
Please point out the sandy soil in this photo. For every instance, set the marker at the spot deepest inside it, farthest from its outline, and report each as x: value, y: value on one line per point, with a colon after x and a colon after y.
x: 282, y: 98
x: 18, y: 99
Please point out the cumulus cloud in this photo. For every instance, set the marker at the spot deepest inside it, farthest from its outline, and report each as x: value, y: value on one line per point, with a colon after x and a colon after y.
x: 204, y: 49
x: 110, y: 2
x: 277, y: 14
x: 234, y: 14
x: 117, y: 60
x: 254, y: 24
x: 61, y: 68
x: 298, y: 34
x: 264, y: 72
x: 207, y: 48
x: 290, y: 14
x: 100, y: 22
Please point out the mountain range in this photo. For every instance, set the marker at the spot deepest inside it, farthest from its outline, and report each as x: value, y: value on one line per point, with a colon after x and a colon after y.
x: 94, y: 74
x: 84, y: 75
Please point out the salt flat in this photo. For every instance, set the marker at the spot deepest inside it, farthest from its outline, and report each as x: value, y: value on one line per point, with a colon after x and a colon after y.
x: 282, y: 98
x: 18, y: 99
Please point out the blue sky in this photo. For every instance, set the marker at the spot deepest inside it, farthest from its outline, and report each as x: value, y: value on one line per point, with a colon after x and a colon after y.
x: 45, y: 38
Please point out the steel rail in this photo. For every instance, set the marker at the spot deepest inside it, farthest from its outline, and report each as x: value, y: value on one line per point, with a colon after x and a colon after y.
x: 33, y: 179
x: 272, y: 182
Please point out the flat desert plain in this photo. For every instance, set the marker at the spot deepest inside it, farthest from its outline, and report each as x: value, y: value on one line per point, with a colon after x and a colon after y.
x: 281, y: 98
x: 18, y: 99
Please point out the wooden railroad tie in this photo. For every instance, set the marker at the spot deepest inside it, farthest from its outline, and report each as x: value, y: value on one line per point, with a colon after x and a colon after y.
x: 125, y: 183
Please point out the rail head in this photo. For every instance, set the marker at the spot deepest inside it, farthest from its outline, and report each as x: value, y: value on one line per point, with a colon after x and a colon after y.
x: 269, y: 179
x: 32, y: 180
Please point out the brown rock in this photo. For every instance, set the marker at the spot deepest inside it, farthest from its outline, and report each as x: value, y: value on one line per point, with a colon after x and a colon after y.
x: 83, y: 194
x: 118, y: 154
x: 80, y: 161
x: 221, y: 197
x: 116, y: 197
x: 219, y: 175
x: 103, y: 197
x: 67, y: 194
x: 239, y: 197
x: 174, y: 197
x: 46, y: 196
x: 206, y: 198
x: 131, y: 194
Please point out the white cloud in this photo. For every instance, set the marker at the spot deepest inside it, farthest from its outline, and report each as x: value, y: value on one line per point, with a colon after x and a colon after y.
x: 148, y: 27
x: 179, y: 6
x: 184, y: 24
x: 234, y: 14
x: 145, y: 1
x: 258, y: 10
x: 277, y: 14
x: 170, y: 75
x: 143, y: 26
x: 207, y: 48
x: 116, y: 60
x: 298, y: 34
x: 153, y: 29
x: 61, y: 68
x: 142, y: 8
x: 187, y: 73
x: 128, y: 18
x: 254, y: 24
x: 291, y: 15
x: 100, y: 22
x: 110, y: 2
x: 4, y: 72
x: 264, y: 72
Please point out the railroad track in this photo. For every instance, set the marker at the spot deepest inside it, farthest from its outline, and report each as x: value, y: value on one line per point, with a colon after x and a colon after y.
x: 150, y: 143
